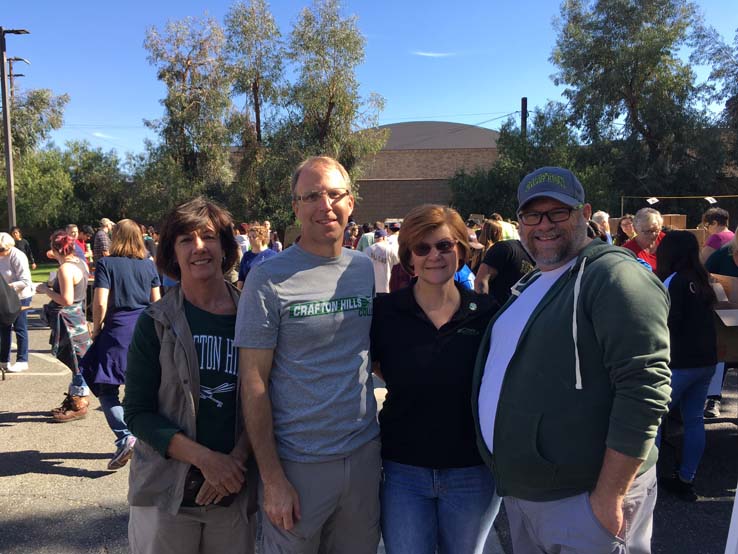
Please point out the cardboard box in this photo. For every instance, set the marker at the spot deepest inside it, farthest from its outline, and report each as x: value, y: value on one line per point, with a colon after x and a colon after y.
x: 726, y: 317
x: 701, y: 235
x: 729, y: 286
x: 675, y: 221
x: 726, y: 325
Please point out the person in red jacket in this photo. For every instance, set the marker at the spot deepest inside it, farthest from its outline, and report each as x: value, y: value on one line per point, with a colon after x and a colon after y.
x: 647, y: 223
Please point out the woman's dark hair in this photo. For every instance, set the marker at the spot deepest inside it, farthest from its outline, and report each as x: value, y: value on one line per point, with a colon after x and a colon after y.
x: 620, y: 237
x: 594, y: 231
x: 679, y: 252
x: 716, y: 215
x: 199, y: 213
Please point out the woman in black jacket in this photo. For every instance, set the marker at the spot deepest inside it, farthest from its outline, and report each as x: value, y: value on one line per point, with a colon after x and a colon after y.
x: 693, y: 347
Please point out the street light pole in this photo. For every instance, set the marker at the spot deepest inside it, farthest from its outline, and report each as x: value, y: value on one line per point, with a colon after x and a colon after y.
x: 6, y: 124
x: 12, y: 76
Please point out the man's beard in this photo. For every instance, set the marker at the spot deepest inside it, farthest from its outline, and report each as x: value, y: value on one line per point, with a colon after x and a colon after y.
x: 567, y: 250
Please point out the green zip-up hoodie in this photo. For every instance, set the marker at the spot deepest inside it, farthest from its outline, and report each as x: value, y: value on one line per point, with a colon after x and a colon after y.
x: 590, y: 372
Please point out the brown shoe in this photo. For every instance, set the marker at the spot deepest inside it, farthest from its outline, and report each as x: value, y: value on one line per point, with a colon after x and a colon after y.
x: 73, y: 407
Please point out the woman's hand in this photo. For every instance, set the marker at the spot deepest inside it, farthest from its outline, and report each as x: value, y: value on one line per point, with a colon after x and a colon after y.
x: 224, y: 473
x: 43, y: 288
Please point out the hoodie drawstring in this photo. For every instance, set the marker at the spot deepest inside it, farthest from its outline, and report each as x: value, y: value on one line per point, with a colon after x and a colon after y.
x: 577, y: 286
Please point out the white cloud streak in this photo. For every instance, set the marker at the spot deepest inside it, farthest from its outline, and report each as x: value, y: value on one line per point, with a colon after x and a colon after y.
x: 433, y: 54
x: 99, y: 135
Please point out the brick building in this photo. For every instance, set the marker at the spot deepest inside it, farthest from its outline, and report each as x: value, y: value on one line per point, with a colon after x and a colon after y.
x: 416, y: 163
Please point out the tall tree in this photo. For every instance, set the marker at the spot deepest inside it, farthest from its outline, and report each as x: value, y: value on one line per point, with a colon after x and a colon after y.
x: 327, y: 112
x: 35, y: 114
x: 723, y: 59
x: 255, y: 53
x: 189, y: 56
x: 619, y: 61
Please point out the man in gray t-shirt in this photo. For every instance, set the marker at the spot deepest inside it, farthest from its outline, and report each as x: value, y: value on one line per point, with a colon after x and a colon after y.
x: 303, y: 330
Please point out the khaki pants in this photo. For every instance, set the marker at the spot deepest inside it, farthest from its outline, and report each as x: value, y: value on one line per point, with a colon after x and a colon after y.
x: 206, y: 530
x: 568, y: 526
x: 339, y: 501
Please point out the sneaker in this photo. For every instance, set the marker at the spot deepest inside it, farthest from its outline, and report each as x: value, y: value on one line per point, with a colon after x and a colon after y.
x: 712, y: 408
x: 73, y: 407
x: 17, y: 367
x: 681, y: 489
x: 123, y: 454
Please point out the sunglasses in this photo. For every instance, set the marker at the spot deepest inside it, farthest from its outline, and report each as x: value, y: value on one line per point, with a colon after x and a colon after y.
x: 442, y: 247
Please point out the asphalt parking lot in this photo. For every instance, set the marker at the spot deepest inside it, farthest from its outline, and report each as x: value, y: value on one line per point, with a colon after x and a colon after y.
x: 57, y: 497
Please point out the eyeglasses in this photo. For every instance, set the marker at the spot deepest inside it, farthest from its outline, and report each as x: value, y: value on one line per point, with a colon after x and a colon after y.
x: 557, y: 215
x: 442, y: 247
x: 649, y: 232
x: 334, y: 195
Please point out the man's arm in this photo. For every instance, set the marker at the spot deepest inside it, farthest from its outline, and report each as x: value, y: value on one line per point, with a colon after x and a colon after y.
x: 705, y: 253
x: 485, y: 274
x: 636, y: 357
x: 616, y: 476
x: 281, y: 501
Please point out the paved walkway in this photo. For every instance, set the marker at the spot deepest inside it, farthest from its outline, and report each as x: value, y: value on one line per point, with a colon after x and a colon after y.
x: 57, y: 497
x: 56, y: 494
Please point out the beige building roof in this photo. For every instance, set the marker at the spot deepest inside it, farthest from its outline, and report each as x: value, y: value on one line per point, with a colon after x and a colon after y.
x: 438, y: 135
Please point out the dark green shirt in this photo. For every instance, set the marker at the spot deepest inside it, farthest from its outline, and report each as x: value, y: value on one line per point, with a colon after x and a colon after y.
x: 218, y: 360
x: 721, y: 262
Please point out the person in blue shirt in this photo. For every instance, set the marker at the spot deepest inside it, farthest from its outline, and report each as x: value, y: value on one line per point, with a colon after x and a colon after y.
x: 260, y: 251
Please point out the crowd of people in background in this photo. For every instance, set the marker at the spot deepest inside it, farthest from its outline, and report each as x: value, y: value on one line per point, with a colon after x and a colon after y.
x: 422, y: 294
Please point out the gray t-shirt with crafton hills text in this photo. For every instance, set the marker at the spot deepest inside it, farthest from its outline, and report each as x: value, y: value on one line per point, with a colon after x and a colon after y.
x: 315, y: 312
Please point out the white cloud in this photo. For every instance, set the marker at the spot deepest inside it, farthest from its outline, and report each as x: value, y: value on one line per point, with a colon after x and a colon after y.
x: 433, y: 54
x: 99, y: 135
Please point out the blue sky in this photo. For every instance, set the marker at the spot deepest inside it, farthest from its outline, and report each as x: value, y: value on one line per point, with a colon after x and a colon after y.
x: 468, y: 61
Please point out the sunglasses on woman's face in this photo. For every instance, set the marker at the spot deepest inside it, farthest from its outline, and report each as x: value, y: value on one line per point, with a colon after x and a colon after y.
x: 442, y: 246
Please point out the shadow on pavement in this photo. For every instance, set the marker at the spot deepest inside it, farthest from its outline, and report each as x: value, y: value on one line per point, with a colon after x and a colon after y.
x: 7, y: 418
x: 99, y: 529
x: 48, y: 463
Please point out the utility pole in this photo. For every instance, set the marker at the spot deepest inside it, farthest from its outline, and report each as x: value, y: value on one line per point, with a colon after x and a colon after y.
x: 524, y: 126
x: 12, y: 76
x: 6, y: 124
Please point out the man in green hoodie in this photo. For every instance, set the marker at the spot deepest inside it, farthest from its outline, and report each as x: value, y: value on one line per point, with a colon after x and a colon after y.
x: 572, y: 381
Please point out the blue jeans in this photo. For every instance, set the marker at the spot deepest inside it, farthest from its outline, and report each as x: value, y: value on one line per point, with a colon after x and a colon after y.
x: 422, y: 508
x: 21, y: 335
x: 108, y: 396
x: 78, y: 386
x: 689, y: 391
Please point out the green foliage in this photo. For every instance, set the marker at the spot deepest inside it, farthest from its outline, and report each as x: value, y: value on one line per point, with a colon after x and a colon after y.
x: 619, y: 61
x: 43, y: 190
x: 550, y: 141
x: 283, y: 121
x: 98, y: 183
x: 636, y: 103
x: 189, y: 56
x: 35, y: 114
x: 255, y: 52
